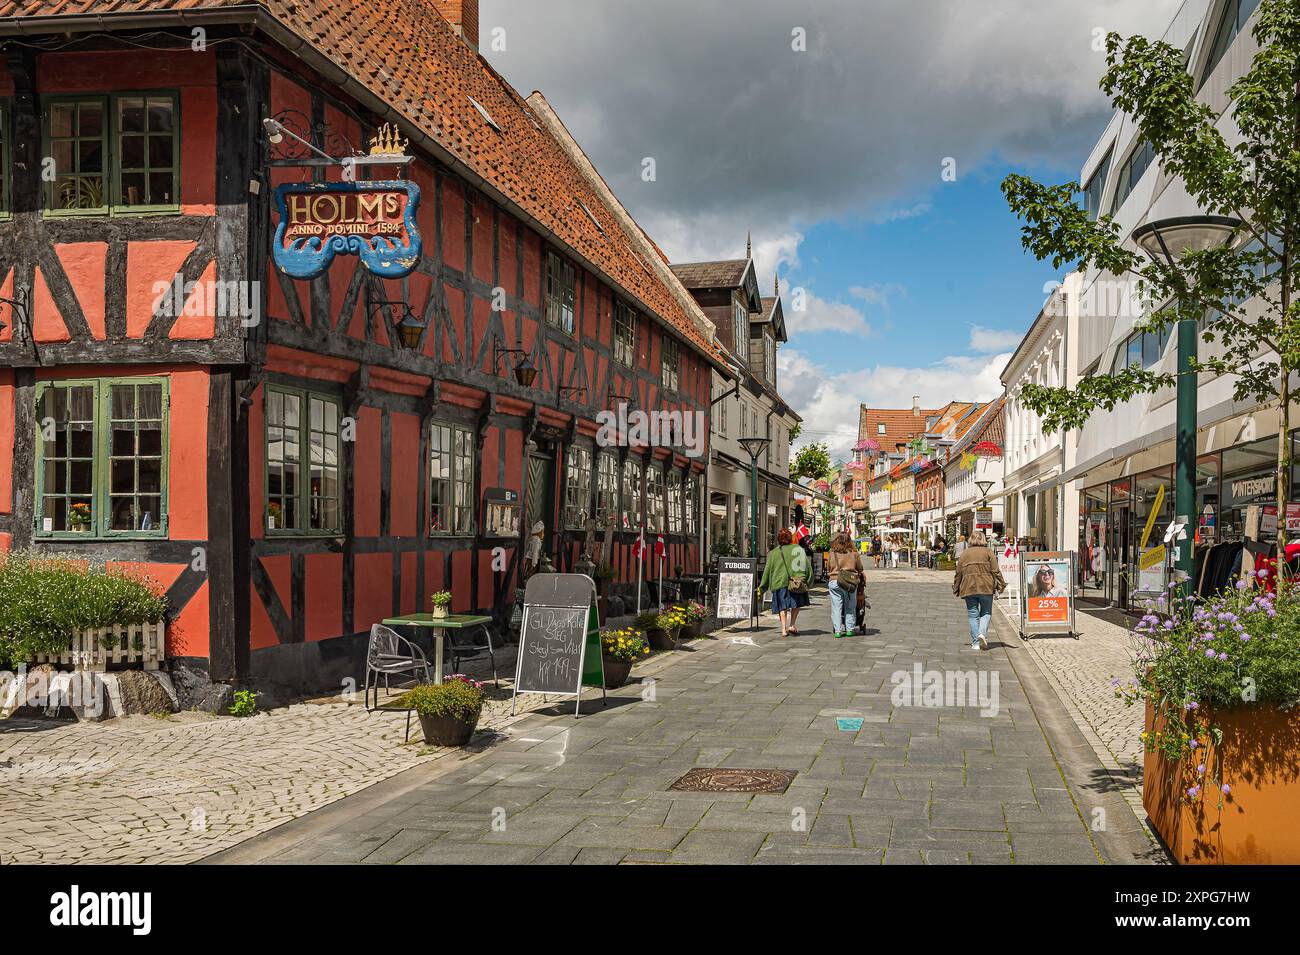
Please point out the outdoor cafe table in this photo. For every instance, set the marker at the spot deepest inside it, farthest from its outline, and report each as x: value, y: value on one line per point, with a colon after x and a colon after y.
x: 427, y: 621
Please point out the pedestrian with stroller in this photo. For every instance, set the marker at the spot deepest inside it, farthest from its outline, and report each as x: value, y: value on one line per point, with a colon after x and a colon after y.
x: 847, y: 577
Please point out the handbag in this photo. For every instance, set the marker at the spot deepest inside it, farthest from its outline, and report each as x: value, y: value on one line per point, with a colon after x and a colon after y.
x: 847, y: 578
x: 797, y: 584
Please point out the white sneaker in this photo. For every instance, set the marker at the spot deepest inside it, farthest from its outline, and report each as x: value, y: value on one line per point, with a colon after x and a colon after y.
x: 971, y: 646
x: 984, y: 644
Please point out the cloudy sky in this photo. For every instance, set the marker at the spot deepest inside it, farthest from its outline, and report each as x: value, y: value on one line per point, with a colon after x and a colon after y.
x: 834, y: 157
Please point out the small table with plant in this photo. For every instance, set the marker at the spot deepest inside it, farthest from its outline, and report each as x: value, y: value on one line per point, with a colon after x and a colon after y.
x: 439, y: 623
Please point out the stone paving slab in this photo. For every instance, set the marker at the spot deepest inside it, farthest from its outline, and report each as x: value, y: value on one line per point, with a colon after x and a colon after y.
x: 993, y: 779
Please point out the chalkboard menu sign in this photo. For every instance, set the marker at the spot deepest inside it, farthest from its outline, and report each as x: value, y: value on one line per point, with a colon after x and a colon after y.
x: 559, y: 638
x: 736, y: 587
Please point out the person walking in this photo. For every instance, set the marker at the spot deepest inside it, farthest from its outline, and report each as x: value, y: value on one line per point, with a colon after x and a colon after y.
x: 977, y: 581
x: 894, y: 548
x: 847, y: 577
x: 960, y: 547
x: 785, y: 576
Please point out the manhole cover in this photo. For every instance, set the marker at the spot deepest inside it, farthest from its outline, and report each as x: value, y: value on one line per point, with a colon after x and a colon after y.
x: 735, y: 781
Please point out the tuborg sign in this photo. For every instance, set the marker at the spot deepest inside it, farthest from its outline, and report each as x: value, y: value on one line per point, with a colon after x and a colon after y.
x: 373, y: 220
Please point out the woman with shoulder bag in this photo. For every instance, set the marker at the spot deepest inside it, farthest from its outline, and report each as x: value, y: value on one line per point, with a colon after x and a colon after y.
x: 786, y: 575
x: 846, y: 579
x: 977, y: 581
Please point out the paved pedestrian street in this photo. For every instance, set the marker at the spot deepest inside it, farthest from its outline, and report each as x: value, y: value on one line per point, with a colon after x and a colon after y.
x: 1000, y: 774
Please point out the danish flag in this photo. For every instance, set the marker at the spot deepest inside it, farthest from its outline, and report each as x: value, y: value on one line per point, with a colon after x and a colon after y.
x: 659, y: 545
x: 638, y: 545
x: 801, y: 532
x: 1013, y: 548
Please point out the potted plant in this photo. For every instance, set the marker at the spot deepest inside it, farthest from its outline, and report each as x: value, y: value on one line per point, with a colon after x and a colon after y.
x: 448, y: 711
x: 79, y: 517
x: 694, y: 613
x: 620, y: 649
x: 273, y: 514
x: 441, y: 602
x: 666, y: 630
x: 1219, y: 680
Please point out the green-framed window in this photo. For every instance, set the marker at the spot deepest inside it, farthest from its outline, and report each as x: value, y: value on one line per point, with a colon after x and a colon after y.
x: 101, y: 467
x: 631, y: 494
x: 675, y: 507
x: 561, y: 282
x: 606, y: 488
x: 654, y: 498
x: 303, y: 462
x: 5, y: 175
x: 113, y: 154
x: 670, y: 363
x: 624, y: 335
x: 451, y: 480
x: 577, y: 487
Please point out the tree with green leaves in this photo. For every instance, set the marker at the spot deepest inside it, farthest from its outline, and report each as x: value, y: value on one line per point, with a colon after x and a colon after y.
x: 1243, y: 293
x: 812, y: 462
x: 796, y: 429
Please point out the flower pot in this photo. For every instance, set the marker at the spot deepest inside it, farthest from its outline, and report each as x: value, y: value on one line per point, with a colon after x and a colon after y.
x: 661, y: 639
x: 691, y: 631
x: 616, y: 672
x: 1260, y: 761
x: 439, y: 613
x: 602, y: 608
x: 447, y: 730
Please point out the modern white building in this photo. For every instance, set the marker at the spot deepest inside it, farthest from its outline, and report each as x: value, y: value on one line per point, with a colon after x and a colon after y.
x: 1035, y: 500
x: 1120, y: 465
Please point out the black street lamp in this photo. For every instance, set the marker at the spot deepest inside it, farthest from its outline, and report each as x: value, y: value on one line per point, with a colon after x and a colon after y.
x: 1170, y: 239
x: 754, y: 446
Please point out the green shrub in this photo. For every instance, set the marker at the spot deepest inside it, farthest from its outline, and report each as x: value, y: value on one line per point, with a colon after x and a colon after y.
x: 458, y: 697
x: 245, y: 703
x: 44, y: 598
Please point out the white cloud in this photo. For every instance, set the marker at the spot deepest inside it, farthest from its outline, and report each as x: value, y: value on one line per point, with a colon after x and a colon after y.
x: 828, y: 402
x: 765, y: 139
x: 805, y: 312
x: 985, y: 340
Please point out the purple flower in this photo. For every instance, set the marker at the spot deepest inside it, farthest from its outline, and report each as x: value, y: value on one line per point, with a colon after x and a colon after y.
x: 1245, y: 638
x: 1243, y: 585
x: 1261, y: 574
x: 1193, y: 705
x: 1194, y: 792
x: 1225, y: 789
x: 1210, y: 653
x: 1200, y: 770
x: 1223, y: 656
x: 1170, y: 625
x: 1193, y: 743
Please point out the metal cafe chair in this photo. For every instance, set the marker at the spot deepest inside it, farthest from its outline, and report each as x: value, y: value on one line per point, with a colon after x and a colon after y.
x: 467, y: 647
x: 389, y: 654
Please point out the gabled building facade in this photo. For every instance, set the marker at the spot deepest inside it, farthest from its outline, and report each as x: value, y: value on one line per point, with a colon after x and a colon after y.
x: 344, y: 442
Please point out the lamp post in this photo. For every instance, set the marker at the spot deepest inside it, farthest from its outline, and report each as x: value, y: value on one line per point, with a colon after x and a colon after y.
x: 754, y: 447
x: 1170, y: 239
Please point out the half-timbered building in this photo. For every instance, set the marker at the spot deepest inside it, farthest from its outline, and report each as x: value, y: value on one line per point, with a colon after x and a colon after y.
x: 297, y: 454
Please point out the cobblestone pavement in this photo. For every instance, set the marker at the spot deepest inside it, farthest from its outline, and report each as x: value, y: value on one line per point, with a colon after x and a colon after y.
x: 923, y: 780
x: 142, y: 789
x: 1081, y: 672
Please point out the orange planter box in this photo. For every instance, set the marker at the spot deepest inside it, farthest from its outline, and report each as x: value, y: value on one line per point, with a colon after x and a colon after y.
x: 1259, y: 823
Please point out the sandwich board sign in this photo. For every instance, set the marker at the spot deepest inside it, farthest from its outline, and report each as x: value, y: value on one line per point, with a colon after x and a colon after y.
x: 736, y: 588
x: 559, y: 638
x: 1047, y: 593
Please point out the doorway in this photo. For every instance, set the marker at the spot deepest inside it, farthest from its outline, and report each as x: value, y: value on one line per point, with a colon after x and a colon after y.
x: 1117, y: 556
x: 539, y: 492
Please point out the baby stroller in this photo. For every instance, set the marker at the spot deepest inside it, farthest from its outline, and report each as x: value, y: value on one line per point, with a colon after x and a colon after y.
x: 860, y: 613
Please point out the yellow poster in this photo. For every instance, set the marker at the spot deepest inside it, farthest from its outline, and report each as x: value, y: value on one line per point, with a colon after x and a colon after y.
x: 1152, y: 558
x: 1151, y: 518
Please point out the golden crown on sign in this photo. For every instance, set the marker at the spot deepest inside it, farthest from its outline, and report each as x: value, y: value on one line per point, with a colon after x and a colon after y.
x: 388, y: 142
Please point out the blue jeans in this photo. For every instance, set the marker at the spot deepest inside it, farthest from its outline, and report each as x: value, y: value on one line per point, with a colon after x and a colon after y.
x: 844, y: 606
x: 979, y: 611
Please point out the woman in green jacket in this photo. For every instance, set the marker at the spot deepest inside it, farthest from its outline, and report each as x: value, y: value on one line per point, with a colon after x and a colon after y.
x: 785, y: 561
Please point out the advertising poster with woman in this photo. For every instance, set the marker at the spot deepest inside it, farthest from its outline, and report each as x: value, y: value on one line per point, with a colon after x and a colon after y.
x: 1047, y: 588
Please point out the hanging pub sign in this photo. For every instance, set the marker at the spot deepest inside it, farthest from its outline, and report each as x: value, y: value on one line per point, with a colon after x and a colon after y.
x: 372, y: 220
